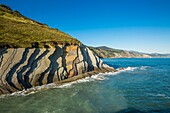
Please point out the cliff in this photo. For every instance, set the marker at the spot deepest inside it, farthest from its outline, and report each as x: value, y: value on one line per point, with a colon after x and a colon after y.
x: 32, y: 54
x: 106, y: 52
x: 22, y: 68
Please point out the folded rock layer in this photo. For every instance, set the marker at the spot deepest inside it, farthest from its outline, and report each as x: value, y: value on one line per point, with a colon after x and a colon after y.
x: 22, y: 68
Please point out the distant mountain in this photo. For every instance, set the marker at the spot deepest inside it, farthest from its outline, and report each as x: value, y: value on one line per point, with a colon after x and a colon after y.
x: 106, y: 52
x: 157, y: 55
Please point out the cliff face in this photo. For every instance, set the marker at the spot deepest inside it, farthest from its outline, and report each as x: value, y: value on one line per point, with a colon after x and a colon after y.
x: 33, y: 54
x: 23, y: 68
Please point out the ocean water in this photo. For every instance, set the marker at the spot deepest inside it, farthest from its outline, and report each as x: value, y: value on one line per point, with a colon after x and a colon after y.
x: 144, y: 86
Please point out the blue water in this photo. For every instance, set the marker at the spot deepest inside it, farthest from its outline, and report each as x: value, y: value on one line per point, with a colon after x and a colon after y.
x: 143, y: 87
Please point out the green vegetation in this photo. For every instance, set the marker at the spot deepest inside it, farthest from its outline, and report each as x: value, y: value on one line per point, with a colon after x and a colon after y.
x: 18, y: 31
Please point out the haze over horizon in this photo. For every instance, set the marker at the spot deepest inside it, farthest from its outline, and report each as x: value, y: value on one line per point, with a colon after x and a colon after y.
x: 139, y: 25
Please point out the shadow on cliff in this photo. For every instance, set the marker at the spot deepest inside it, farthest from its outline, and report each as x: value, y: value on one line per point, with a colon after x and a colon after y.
x: 52, y: 67
x: 87, y: 58
x: 33, y: 66
x: 15, y: 67
x: 62, y: 76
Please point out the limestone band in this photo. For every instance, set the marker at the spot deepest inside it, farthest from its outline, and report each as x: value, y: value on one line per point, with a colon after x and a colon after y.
x: 22, y: 68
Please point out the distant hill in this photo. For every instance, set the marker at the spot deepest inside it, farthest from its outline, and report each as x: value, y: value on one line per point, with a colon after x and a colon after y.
x: 157, y: 55
x: 18, y: 31
x: 106, y: 52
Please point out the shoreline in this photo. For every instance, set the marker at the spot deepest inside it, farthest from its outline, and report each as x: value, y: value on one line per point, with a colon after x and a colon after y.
x: 37, y: 88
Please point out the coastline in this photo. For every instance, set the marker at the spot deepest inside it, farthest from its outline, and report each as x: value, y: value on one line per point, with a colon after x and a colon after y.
x: 60, y: 83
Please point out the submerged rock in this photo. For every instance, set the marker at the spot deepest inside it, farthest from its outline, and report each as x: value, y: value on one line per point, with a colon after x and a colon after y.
x: 121, y: 68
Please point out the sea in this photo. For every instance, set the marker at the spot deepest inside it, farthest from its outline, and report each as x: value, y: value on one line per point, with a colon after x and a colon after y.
x: 143, y: 87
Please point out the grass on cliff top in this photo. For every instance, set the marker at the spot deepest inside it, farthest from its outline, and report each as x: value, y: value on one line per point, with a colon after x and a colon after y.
x: 18, y: 31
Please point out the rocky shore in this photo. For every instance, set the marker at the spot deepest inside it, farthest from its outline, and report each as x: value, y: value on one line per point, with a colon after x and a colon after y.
x: 33, y: 54
x: 23, y: 68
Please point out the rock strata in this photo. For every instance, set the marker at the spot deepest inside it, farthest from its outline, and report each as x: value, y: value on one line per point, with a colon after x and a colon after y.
x: 23, y: 68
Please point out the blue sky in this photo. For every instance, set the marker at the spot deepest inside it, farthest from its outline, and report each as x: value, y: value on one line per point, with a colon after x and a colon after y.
x: 141, y: 25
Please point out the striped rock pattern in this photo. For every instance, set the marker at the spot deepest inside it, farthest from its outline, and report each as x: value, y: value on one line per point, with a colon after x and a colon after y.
x: 22, y: 68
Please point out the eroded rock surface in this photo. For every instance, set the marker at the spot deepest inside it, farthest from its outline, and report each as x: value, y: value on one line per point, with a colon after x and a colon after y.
x: 22, y: 68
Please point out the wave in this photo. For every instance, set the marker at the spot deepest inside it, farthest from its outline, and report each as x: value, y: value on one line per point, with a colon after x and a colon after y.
x: 136, y: 68
x: 162, y: 95
x: 159, y: 95
x: 130, y: 68
x: 144, y: 67
x: 98, y: 77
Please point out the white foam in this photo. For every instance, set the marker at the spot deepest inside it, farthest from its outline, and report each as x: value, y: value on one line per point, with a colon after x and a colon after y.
x: 130, y: 68
x: 67, y: 85
x: 144, y: 67
x: 159, y: 95
x: 100, y: 77
x: 134, y: 68
x: 162, y: 95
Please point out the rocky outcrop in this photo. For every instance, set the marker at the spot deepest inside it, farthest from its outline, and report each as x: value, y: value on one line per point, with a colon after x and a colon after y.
x: 33, y: 54
x: 22, y: 68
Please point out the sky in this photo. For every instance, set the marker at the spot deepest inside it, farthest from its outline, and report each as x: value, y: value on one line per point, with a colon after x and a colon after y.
x: 139, y: 25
